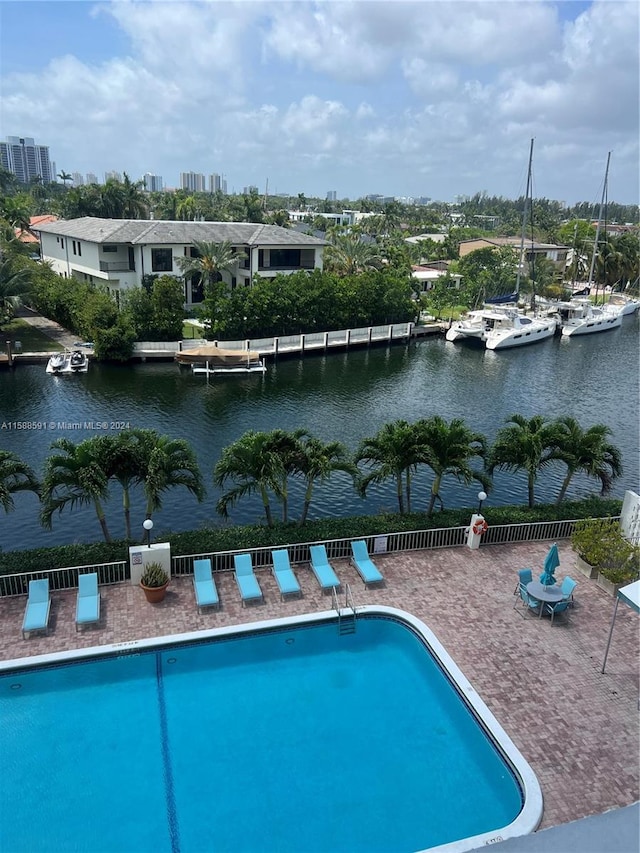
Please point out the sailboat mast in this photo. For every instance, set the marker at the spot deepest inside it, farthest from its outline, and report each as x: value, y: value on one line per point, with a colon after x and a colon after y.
x: 524, y: 220
x: 595, y: 244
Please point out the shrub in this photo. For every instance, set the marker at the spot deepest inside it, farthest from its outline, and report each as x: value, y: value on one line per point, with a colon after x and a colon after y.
x: 600, y: 542
x: 154, y: 576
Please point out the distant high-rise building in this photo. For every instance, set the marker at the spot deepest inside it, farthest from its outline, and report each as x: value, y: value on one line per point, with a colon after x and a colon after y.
x: 193, y: 181
x: 92, y: 178
x: 250, y: 189
x: 116, y: 176
x: 26, y: 160
x: 78, y: 180
x: 332, y: 195
x: 54, y: 171
x: 215, y: 183
x: 152, y: 183
x: 224, y: 185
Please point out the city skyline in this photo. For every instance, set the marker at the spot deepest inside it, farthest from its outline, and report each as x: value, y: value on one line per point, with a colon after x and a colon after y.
x: 422, y: 99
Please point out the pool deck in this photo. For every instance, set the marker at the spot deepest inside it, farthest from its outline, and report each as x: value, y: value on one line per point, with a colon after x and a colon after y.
x: 577, y: 728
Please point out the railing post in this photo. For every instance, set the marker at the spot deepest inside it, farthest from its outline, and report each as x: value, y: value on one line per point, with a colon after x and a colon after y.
x: 326, y: 340
x: 348, y: 338
x: 275, y: 345
x: 302, y: 338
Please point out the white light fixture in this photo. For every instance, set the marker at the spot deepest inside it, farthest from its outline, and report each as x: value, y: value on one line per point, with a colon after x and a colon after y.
x: 482, y: 496
x: 148, y: 526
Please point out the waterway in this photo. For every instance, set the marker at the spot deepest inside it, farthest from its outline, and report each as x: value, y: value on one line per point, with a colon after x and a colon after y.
x: 339, y: 396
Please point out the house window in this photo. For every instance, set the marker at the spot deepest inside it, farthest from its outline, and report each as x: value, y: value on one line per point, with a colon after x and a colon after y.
x: 79, y: 248
x: 285, y: 258
x: 74, y: 247
x: 162, y: 260
x: 62, y: 243
x: 109, y: 248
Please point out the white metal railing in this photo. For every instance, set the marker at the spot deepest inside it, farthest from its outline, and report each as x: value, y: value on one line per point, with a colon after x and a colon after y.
x: 108, y: 573
x: 222, y: 561
x: 156, y: 346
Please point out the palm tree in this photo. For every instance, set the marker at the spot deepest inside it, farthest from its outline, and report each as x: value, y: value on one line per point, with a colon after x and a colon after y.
x: 124, y: 458
x: 168, y: 462
x: 525, y: 445
x: 394, y: 452
x: 135, y: 202
x: 210, y: 261
x: 15, y: 476
x: 449, y: 449
x: 253, y: 465
x: 318, y: 462
x: 286, y: 446
x: 65, y: 176
x: 348, y: 255
x: 74, y: 476
x: 14, y: 283
x: 589, y: 452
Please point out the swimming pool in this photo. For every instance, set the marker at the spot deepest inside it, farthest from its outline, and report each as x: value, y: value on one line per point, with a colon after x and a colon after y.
x: 275, y: 736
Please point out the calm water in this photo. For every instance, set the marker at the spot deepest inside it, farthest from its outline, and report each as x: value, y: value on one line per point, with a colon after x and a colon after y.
x: 342, y: 396
x: 297, y: 740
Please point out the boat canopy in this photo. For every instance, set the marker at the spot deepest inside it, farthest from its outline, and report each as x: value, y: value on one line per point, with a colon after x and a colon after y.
x: 503, y: 299
x: 226, y: 357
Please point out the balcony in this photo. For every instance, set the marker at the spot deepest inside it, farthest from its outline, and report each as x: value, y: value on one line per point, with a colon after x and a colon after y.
x: 116, y: 266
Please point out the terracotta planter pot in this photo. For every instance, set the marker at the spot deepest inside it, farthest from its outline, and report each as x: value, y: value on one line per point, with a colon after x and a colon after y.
x: 585, y: 568
x: 154, y: 594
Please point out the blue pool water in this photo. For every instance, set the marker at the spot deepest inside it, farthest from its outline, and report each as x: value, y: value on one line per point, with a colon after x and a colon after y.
x: 296, y: 739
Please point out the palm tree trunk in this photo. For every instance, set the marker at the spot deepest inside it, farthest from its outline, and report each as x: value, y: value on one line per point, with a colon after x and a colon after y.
x: 267, y: 506
x: 564, y: 486
x: 102, y: 520
x: 435, y: 488
x: 530, y: 489
x: 408, y: 491
x: 307, y: 502
x: 400, y: 493
x: 126, y: 506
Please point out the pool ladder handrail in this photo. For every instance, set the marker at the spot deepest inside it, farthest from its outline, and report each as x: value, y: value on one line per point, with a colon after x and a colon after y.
x: 348, y: 627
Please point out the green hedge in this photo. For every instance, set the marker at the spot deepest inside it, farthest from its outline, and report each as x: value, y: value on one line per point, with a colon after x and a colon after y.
x: 240, y: 538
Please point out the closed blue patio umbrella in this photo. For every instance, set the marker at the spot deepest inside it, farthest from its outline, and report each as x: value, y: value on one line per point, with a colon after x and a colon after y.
x: 551, y: 563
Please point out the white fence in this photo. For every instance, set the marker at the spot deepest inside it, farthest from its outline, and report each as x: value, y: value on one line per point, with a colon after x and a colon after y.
x: 416, y: 540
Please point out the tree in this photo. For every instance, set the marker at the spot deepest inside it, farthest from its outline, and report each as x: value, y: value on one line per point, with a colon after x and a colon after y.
x: 123, y: 458
x: 448, y: 450
x: 393, y: 453
x: 529, y: 445
x: 74, y: 476
x: 318, y: 462
x: 210, y: 261
x: 134, y: 200
x: 15, y: 282
x: 169, y: 463
x: 15, y: 476
x: 65, y: 176
x: 349, y: 255
x: 589, y: 452
x: 253, y: 465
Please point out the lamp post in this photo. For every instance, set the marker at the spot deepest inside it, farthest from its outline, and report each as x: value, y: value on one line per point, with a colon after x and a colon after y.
x: 148, y: 527
x: 482, y: 496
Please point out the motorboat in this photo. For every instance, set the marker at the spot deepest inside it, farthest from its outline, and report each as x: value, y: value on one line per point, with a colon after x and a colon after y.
x: 212, y: 360
x: 626, y: 304
x: 69, y: 361
x: 581, y: 317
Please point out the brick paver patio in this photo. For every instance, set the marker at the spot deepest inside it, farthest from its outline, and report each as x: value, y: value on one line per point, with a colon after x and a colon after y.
x: 576, y: 727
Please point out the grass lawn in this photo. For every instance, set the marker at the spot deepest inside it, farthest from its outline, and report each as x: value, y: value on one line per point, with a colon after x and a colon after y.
x: 191, y: 331
x: 32, y: 340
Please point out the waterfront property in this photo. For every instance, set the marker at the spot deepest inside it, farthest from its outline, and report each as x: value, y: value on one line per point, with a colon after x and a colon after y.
x: 118, y: 253
x: 576, y: 727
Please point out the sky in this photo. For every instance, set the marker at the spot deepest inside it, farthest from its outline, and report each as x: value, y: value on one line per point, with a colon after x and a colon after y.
x: 407, y: 99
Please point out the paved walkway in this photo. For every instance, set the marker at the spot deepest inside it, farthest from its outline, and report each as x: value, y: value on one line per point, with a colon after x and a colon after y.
x: 48, y: 327
x: 576, y: 727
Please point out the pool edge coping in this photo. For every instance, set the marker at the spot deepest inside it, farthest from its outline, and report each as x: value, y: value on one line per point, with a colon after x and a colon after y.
x: 529, y: 817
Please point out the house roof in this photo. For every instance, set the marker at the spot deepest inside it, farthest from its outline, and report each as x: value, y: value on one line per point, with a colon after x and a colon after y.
x: 34, y: 222
x: 512, y: 241
x: 156, y: 231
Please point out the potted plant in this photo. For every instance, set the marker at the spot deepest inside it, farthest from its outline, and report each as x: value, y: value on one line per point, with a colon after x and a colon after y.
x: 154, y: 582
x: 602, y: 549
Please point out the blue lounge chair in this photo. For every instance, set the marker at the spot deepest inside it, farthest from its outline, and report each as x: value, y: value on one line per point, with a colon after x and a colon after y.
x: 88, y: 600
x: 246, y: 580
x: 367, y: 569
x: 36, y: 616
x: 204, y: 585
x: 285, y: 578
x: 322, y: 569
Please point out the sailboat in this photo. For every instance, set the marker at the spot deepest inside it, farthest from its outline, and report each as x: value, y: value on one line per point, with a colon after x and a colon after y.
x: 580, y: 316
x: 500, y: 325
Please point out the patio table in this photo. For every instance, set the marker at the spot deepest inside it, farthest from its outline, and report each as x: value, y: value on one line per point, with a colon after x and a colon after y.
x: 547, y: 594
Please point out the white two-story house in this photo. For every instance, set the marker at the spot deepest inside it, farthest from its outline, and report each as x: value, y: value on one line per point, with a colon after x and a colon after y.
x: 118, y: 253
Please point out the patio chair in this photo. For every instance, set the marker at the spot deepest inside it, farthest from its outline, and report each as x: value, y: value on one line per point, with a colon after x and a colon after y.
x: 322, y: 569
x: 527, y: 602
x: 525, y: 576
x: 246, y: 580
x: 285, y: 578
x: 365, y: 566
x: 87, y: 600
x: 36, y: 616
x: 559, y: 607
x: 204, y: 585
x: 567, y: 587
